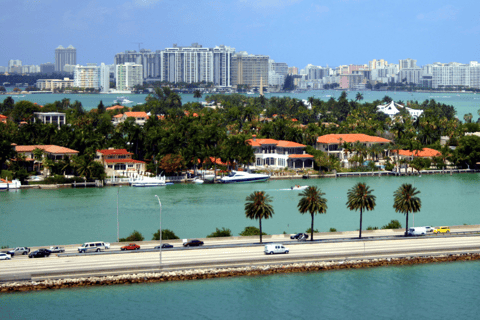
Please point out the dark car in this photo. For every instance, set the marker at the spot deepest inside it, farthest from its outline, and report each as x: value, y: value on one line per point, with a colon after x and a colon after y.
x: 40, y: 253
x: 300, y: 235
x: 193, y: 243
x: 164, y: 246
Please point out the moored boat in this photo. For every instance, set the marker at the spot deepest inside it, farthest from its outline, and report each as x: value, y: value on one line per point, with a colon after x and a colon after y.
x: 143, y: 181
x: 5, y: 184
x: 242, y: 176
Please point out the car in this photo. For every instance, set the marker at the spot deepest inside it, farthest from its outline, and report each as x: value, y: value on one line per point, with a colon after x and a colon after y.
x: 164, y: 246
x: 96, y: 246
x: 19, y: 251
x: 299, y: 235
x: 57, y: 249
x: 272, y: 248
x: 441, y: 230
x: 193, y: 243
x: 40, y: 253
x: 5, y: 256
x: 417, y: 231
x: 428, y: 228
x: 130, y: 246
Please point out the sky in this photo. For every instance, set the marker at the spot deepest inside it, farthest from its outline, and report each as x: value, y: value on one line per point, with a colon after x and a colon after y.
x: 298, y: 32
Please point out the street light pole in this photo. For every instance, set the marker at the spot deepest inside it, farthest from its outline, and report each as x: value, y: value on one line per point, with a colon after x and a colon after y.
x: 160, y: 230
x: 118, y: 225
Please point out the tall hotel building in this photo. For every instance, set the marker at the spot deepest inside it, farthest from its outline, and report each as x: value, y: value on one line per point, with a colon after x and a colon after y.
x: 65, y: 56
x: 87, y: 76
x: 456, y: 74
x: 128, y: 75
x: 248, y: 69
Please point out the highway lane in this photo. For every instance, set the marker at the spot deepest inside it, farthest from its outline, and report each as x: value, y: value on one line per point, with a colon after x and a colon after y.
x: 228, y: 255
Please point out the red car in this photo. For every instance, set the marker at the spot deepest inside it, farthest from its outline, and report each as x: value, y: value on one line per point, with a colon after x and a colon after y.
x: 130, y: 246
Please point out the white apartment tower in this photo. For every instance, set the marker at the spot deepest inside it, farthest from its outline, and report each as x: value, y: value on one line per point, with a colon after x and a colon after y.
x: 408, y: 64
x: 87, y: 76
x: 104, y: 77
x: 128, y: 75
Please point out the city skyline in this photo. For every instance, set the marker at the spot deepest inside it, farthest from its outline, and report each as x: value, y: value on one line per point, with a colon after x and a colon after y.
x: 297, y: 32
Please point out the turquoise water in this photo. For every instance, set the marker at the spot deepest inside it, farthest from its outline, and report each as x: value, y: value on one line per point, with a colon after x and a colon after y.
x: 463, y: 102
x: 435, y: 291
x: 67, y: 216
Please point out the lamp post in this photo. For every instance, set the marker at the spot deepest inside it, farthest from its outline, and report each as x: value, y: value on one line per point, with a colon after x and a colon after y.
x: 160, y: 231
x: 118, y: 225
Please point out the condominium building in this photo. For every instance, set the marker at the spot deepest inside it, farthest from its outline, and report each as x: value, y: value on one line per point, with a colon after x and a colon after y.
x: 317, y: 72
x: 13, y: 65
x: 128, y: 75
x: 375, y: 64
x: 87, y: 76
x: 410, y: 75
x: 150, y: 61
x: 47, y: 68
x: 248, y: 69
x: 104, y: 77
x: 65, y: 56
x: 456, y: 74
x: 408, y: 64
x: 52, y: 84
x: 293, y: 70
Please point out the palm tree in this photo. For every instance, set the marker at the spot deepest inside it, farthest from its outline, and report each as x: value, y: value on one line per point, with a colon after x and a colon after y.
x: 406, y: 201
x: 361, y: 197
x: 258, y: 207
x: 197, y: 94
x: 359, y: 97
x: 312, y: 202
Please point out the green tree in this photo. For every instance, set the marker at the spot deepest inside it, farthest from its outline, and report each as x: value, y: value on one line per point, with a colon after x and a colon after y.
x: 406, y: 201
x: 167, y: 234
x: 359, y: 97
x: 101, y: 107
x: 312, y: 201
x: 258, y: 207
x: 360, y: 197
x: 393, y: 224
x: 251, y: 231
x: 134, y: 236
x: 468, y: 151
x: 197, y: 94
x: 220, y: 233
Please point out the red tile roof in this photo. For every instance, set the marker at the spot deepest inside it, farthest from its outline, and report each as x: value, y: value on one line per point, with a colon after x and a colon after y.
x: 2, y: 116
x: 123, y: 161
x: 114, y: 151
x: 350, y: 137
x: 46, y: 148
x: 115, y: 107
x: 118, y: 115
x: 424, y: 153
x: 136, y: 114
x: 279, y: 143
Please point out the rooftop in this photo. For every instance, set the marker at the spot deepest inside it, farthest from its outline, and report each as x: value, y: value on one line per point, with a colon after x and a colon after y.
x: 114, y: 151
x: 424, y: 153
x: 350, y: 138
x: 46, y: 148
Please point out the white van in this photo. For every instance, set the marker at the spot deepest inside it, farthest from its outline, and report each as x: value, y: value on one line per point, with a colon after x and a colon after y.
x: 275, y: 248
x: 96, y: 246
x: 417, y: 231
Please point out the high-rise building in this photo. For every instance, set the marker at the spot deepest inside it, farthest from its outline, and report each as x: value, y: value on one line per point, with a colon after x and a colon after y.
x: 248, y: 69
x: 456, y: 74
x: 376, y: 64
x: 87, y: 76
x: 408, y: 64
x: 293, y: 70
x: 104, y: 77
x: 47, y: 68
x: 3, y: 69
x: 65, y: 56
x: 128, y: 75
x: 14, y: 64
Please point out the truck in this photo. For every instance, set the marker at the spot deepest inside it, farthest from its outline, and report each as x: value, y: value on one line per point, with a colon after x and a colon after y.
x: 19, y: 251
x: 57, y: 249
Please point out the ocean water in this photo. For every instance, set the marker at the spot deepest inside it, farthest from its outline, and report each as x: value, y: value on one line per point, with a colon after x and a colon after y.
x: 463, y: 102
x: 68, y: 216
x: 433, y: 291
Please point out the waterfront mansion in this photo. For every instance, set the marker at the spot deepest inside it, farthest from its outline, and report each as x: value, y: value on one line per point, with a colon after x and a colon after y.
x: 119, y: 162
x: 279, y: 154
x: 336, y: 144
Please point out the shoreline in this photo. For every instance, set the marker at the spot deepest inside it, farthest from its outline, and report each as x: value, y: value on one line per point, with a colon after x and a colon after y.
x: 212, y: 273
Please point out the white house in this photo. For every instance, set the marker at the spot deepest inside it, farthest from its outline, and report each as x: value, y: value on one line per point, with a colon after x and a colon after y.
x: 392, y: 109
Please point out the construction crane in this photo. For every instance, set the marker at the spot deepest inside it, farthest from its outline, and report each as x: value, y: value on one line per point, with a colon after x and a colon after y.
x: 139, y: 43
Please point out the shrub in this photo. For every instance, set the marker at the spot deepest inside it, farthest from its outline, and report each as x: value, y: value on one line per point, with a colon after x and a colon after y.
x: 220, y: 233
x: 309, y: 230
x: 134, y: 236
x: 394, y: 224
x: 333, y: 230
x: 251, y: 231
x: 372, y: 228
x: 166, y: 235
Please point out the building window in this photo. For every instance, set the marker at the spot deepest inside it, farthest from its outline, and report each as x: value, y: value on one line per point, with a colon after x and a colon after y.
x: 120, y: 166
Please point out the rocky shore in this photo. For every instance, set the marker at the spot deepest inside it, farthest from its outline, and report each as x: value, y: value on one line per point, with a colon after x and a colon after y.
x: 210, y: 273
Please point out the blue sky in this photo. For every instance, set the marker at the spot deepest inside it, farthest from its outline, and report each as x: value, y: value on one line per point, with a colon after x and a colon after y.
x: 297, y: 32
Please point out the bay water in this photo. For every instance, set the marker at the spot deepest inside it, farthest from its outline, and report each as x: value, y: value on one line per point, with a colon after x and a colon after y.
x: 37, y: 217
x: 434, y: 291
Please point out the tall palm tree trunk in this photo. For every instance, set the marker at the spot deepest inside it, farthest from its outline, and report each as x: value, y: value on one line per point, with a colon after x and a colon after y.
x: 360, y: 231
x: 260, y: 222
x: 406, y: 224
x: 311, y: 230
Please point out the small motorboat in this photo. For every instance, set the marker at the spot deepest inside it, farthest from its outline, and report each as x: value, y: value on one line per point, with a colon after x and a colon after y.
x: 242, y: 176
x: 5, y: 184
x: 143, y: 181
x: 298, y: 188
x: 198, y: 181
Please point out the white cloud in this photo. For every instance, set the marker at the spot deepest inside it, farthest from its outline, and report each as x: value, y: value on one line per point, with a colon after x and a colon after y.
x: 448, y: 12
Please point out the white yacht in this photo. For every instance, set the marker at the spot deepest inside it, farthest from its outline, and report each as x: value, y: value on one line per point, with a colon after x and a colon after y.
x: 143, y: 181
x: 122, y: 101
x: 14, y: 184
x: 242, y: 176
